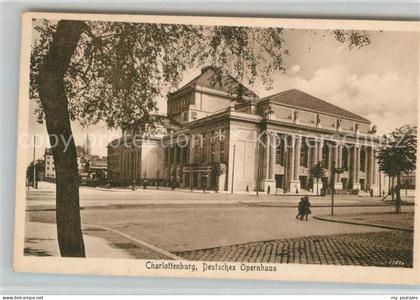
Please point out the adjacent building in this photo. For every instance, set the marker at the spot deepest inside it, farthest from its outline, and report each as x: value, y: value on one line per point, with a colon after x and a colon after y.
x: 218, y: 134
x: 90, y: 167
x: 49, y: 162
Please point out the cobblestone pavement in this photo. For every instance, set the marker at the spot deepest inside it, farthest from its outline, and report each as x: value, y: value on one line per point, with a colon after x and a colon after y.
x: 384, y: 249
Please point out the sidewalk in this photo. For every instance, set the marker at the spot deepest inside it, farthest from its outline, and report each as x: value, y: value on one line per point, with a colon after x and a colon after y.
x: 44, y: 197
x: 403, y: 221
x: 41, y: 240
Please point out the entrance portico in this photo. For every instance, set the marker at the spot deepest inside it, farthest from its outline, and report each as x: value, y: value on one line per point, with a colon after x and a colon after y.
x: 289, y: 158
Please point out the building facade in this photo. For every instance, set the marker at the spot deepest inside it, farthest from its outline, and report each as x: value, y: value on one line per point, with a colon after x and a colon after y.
x: 213, y: 139
x: 89, y: 166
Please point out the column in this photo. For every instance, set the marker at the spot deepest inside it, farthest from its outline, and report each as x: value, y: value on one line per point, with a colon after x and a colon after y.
x: 269, y: 161
x: 168, y: 149
x: 182, y: 177
x: 291, y: 161
x: 374, y: 184
x: 175, y: 158
x: 267, y: 156
x: 317, y: 157
x: 298, y: 143
x: 175, y: 154
x: 191, y: 159
x: 358, y: 164
x: 369, y: 169
x: 331, y: 160
x: 315, y: 152
x: 294, y: 165
x: 355, y: 166
x: 375, y: 167
x: 191, y: 151
x: 320, y: 145
x: 273, y: 146
x: 338, y: 185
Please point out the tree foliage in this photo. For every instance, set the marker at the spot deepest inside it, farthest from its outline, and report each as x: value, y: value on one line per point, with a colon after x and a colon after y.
x: 39, y: 170
x: 317, y: 171
x: 398, y: 156
x: 115, y: 72
x: 120, y: 70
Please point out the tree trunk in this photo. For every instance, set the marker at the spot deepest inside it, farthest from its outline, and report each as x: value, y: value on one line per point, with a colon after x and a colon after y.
x: 398, y: 194
x: 317, y: 186
x: 55, y: 106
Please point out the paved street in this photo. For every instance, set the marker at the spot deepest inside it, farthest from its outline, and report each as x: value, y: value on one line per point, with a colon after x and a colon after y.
x: 391, y: 249
x: 183, y: 222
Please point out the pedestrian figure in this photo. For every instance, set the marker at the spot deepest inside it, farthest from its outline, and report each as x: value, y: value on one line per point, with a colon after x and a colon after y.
x: 301, y: 209
x: 247, y: 189
x: 306, y: 208
x: 268, y: 190
x: 144, y: 184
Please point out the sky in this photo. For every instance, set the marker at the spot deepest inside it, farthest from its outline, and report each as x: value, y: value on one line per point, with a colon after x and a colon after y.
x: 379, y: 82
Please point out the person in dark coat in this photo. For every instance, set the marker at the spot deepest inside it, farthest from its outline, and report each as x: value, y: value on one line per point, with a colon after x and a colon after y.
x: 306, y: 208
x: 301, y: 209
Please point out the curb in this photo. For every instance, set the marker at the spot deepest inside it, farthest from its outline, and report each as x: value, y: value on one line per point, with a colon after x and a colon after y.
x: 257, y: 204
x: 137, y: 241
x: 363, y: 224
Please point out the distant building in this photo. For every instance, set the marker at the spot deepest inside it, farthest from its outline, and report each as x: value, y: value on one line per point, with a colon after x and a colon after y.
x: 218, y: 134
x: 90, y: 167
x: 95, y: 171
x: 49, y: 162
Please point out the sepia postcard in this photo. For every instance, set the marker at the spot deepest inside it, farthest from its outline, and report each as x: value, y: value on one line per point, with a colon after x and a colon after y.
x: 218, y: 147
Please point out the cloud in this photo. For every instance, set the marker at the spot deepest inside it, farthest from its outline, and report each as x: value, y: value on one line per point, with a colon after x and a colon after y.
x: 294, y: 69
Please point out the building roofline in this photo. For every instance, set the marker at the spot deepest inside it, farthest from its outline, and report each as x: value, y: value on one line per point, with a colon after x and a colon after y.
x: 356, y: 118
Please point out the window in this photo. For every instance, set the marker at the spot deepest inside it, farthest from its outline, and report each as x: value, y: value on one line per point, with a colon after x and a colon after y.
x: 192, y: 99
x: 194, y: 115
x: 197, y: 148
x: 325, y: 155
x: 304, y: 154
x: 165, y: 155
x: 363, y: 159
x: 345, y: 157
x: 280, y: 152
x: 222, y: 140
x: 204, y: 150
x: 213, y: 143
x: 185, y: 154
